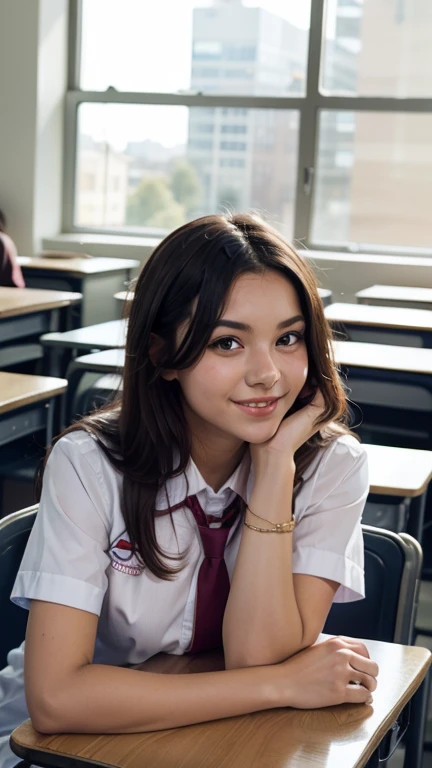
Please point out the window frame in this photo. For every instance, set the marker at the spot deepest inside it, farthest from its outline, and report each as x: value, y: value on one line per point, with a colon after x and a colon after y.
x: 308, y: 107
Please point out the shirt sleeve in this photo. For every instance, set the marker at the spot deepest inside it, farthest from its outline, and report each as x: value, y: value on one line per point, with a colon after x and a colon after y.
x: 66, y: 556
x: 328, y: 539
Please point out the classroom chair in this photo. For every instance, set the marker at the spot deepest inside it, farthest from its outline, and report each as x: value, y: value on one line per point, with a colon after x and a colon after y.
x: 14, y: 532
x: 388, y: 612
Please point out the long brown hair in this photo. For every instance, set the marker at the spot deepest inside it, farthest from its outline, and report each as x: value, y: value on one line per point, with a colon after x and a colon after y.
x: 188, y: 278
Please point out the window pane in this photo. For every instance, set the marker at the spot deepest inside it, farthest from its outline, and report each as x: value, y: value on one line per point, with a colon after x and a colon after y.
x: 378, y: 48
x: 256, y: 47
x: 145, y: 167
x: 373, y: 179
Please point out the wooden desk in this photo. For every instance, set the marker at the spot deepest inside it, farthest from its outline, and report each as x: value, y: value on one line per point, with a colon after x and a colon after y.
x: 26, y: 408
x: 408, y: 364
x: 26, y: 313
x: 96, y: 278
x: 356, y: 319
x: 398, y: 471
x: 124, y: 296
x: 346, y: 735
x: 18, y: 390
x: 397, y: 365
x: 63, y: 346
x: 396, y: 296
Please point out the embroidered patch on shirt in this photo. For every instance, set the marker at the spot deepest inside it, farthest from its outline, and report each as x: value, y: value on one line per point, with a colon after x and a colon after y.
x: 122, y: 557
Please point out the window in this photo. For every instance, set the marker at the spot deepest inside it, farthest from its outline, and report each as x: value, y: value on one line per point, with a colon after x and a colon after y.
x: 164, y: 95
x: 239, y: 146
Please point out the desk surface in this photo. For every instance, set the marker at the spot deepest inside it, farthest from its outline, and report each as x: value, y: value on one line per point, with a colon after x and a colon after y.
x: 396, y: 293
x: 358, y: 354
x: 19, y: 389
x: 325, y: 294
x: 400, y: 318
x: 101, y: 336
x: 78, y: 266
x: 107, y: 361
x: 353, y: 353
x: 285, y: 738
x: 398, y: 471
x: 23, y: 301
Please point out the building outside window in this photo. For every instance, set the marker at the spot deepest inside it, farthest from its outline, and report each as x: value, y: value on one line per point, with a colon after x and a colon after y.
x: 317, y: 115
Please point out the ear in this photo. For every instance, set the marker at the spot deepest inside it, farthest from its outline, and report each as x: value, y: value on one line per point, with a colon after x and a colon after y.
x: 155, y: 348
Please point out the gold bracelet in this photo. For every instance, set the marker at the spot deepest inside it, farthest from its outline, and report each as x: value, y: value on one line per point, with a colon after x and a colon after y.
x: 278, y: 527
x: 270, y: 521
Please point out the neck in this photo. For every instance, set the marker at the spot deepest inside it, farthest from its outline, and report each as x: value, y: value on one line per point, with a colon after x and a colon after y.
x: 216, y: 463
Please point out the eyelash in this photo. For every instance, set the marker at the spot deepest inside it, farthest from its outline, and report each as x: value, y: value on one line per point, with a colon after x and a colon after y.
x: 299, y: 335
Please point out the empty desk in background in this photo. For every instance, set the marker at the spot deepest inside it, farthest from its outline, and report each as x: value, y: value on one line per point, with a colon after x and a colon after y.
x: 396, y: 296
x: 25, y: 314
x: 386, y: 325
x: 325, y: 294
x: 391, y: 382
x: 346, y: 735
x: 403, y: 474
x: 26, y: 408
x: 64, y: 346
x: 97, y: 279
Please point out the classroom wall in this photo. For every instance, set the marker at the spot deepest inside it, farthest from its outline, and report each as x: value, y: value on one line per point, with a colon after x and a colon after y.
x: 346, y: 275
x: 33, y: 67
x: 33, y: 63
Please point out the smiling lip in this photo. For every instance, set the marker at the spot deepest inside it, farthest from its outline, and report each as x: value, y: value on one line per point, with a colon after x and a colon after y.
x: 262, y: 406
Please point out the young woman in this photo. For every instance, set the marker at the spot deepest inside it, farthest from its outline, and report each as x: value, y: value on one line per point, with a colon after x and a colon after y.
x: 215, y: 504
x: 10, y: 270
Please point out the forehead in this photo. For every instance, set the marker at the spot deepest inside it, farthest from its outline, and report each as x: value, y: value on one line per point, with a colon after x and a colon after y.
x: 270, y: 291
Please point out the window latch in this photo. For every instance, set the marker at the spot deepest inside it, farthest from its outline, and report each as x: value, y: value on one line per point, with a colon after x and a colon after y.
x: 308, y: 177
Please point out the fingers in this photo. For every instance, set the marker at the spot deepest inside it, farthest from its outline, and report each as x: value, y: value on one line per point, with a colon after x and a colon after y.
x: 356, y: 645
x: 365, y: 680
x: 340, y: 641
x: 361, y: 664
x: 357, y: 694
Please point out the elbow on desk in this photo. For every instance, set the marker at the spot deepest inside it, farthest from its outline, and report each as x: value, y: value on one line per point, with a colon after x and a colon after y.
x: 45, y: 717
x: 255, y: 656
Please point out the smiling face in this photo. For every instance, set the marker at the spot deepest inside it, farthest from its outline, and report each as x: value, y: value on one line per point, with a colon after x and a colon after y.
x: 254, y: 366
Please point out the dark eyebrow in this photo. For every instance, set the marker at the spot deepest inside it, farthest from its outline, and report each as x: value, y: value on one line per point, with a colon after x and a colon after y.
x: 244, y: 327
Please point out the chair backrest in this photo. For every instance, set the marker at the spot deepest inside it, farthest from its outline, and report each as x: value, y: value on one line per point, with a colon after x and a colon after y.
x: 392, y: 578
x: 14, y: 532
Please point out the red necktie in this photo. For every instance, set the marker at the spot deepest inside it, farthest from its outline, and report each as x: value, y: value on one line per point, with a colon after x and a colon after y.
x: 213, y: 580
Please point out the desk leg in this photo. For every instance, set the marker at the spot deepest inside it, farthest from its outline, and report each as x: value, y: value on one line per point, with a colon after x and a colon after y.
x: 50, y: 420
x: 54, y: 325
x: 416, y: 515
x: 73, y: 376
x: 373, y: 761
x: 414, y: 739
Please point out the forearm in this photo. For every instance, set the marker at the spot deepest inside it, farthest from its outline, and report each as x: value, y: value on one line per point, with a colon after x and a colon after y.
x: 106, y: 699
x: 262, y: 623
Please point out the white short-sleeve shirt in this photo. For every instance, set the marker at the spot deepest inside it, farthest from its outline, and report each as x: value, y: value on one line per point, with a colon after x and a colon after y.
x: 79, y: 553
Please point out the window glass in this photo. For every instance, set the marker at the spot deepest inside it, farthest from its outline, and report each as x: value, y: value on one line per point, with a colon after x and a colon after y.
x: 150, y: 168
x: 256, y: 47
x: 378, y: 48
x: 373, y: 179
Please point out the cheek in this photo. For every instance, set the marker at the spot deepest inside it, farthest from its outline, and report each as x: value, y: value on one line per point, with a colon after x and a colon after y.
x: 205, y: 382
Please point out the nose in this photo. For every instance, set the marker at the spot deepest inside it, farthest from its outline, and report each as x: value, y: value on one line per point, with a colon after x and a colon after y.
x: 262, y: 370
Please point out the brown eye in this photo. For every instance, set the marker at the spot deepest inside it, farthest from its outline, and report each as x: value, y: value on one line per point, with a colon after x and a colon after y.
x: 291, y: 338
x: 225, y: 344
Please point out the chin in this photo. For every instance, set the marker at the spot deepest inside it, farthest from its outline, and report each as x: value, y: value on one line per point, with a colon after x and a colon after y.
x: 258, y: 436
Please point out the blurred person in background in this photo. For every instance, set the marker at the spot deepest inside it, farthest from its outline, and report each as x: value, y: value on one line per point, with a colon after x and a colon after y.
x: 10, y: 270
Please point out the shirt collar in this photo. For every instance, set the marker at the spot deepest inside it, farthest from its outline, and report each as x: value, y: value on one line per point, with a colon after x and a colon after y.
x: 192, y: 482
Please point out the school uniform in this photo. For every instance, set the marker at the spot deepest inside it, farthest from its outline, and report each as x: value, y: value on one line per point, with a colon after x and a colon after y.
x: 79, y: 553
